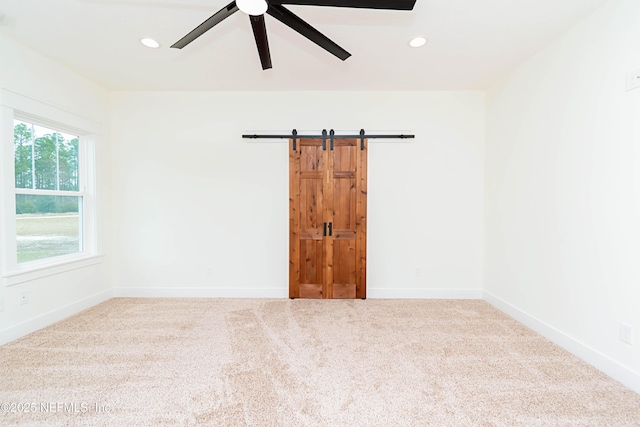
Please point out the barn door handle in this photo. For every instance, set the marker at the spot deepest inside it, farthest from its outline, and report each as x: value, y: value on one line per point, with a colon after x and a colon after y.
x: 330, y: 229
x: 325, y: 229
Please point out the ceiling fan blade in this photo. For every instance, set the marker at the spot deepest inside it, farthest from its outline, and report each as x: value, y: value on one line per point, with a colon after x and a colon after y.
x: 214, y: 20
x: 260, y: 33
x: 293, y: 21
x: 364, y: 4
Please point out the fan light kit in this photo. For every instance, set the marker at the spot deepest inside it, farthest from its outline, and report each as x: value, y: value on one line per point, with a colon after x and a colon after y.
x: 252, y: 7
x: 150, y: 43
x: 256, y: 10
x: 417, y: 42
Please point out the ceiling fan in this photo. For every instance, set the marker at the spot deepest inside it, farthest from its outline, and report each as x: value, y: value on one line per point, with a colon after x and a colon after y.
x: 257, y: 8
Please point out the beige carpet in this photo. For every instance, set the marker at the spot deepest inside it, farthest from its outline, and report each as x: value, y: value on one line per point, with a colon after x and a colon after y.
x: 221, y: 362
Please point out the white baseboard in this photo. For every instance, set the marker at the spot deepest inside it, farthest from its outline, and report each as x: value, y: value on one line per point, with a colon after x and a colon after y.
x: 593, y: 357
x: 384, y: 293
x: 407, y: 293
x: 201, y: 292
x: 46, y: 319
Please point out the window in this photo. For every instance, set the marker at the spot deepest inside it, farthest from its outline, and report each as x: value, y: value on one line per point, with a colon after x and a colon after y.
x: 47, y: 188
x: 47, y: 196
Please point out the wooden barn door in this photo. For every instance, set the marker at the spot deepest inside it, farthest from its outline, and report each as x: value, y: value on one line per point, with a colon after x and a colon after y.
x: 327, y: 218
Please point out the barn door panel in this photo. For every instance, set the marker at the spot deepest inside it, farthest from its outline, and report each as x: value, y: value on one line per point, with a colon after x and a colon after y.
x: 327, y: 219
x: 343, y: 217
x: 306, y: 218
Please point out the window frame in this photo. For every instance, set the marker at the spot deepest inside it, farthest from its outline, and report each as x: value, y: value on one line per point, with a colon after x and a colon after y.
x: 17, y: 107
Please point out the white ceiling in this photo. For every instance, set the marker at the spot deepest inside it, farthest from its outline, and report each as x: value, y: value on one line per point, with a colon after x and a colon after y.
x: 471, y: 43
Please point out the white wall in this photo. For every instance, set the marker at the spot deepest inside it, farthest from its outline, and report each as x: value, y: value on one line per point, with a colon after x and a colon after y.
x: 191, y: 195
x: 32, y: 75
x: 563, y: 189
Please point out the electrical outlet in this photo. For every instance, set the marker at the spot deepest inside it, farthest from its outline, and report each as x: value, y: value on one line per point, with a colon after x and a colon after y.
x: 633, y: 80
x: 626, y: 333
x: 24, y: 297
x: 418, y: 272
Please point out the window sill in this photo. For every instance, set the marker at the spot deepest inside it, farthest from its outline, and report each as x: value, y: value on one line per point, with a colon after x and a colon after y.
x: 40, y: 271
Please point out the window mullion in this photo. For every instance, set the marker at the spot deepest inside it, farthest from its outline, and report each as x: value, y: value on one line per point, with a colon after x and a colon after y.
x: 48, y: 192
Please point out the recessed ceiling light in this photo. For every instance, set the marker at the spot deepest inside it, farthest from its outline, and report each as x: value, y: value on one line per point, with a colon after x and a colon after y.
x: 417, y: 42
x: 150, y: 43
